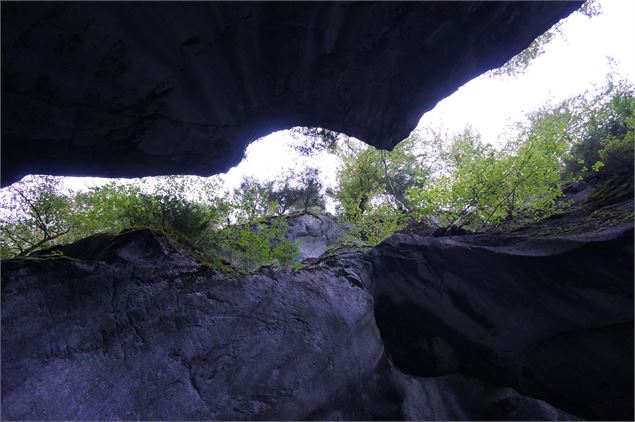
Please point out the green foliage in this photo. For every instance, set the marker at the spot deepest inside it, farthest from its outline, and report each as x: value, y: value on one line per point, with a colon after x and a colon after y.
x: 486, y: 186
x: 519, y: 64
x: 298, y: 191
x: 252, y: 200
x: 478, y: 185
x: 188, y: 210
x: 605, y: 123
x: 105, y: 208
x: 309, y: 190
x: 312, y: 140
x: 37, y: 215
x: 257, y: 240
x: 178, y: 206
x: 369, y: 174
x: 446, y: 181
x: 375, y: 225
x: 617, y: 154
x: 251, y: 246
x: 372, y: 188
x: 285, y: 196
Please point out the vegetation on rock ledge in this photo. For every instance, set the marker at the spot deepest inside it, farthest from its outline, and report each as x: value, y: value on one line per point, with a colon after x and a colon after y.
x: 445, y: 181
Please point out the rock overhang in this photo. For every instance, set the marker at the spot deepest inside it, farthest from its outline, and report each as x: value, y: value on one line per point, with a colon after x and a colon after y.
x: 141, y: 89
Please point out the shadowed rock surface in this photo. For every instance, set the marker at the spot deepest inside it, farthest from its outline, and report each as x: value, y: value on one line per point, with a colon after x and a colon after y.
x: 552, y: 318
x: 509, y: 326
x: 545, y: 308
x: 125, y: 327
x: 141, y: 89
x: 134, y: 330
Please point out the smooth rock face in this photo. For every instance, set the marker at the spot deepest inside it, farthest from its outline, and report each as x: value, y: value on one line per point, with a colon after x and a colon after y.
x: 141, y: 332
x: 314, y: 233
x: 550, y: 317
x: 127, y: 328
x: 460, y: 397
x: 390, y: 394
x: 122, y: 89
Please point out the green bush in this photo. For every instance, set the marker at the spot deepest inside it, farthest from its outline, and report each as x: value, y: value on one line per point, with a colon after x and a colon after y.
x: 603, y: 135
x: 251, y: 246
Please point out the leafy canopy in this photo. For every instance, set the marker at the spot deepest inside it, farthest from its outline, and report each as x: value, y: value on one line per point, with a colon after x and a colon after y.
x: 444, y: 180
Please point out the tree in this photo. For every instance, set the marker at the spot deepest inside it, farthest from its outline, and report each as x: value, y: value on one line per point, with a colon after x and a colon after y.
x: 188, y: 209
x: 370, y: 174
x: 309, y: 189
x: 311, y: 140
x: 603, y: 130
x: 359, y: 180
x: 252, y: 200
x: 253, y: 245
x: 105, y: 208
x: 486, y: 186
x: 37, y: 215
x: 285, y: 195
x: 373, y: 186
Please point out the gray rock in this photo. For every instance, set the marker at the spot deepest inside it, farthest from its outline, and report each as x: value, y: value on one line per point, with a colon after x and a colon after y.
x: 128, y: 89
x: 390, y: 394
x: 461, y: 397
x: 144, y: 333
x: 550, y: 317
x: 314, y: 233
x: 490, y: 326
x: 126, y: 327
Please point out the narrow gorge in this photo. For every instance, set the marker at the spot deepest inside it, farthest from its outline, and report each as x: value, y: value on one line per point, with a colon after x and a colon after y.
x: 526, y: 320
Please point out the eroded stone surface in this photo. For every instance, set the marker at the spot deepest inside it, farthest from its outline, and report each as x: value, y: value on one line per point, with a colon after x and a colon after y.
x: 314, y: 234
x: 512, y: 325
x: 125, y: 328
x: 141, y: 89
x: 551, y: 317
x: 142, y: 332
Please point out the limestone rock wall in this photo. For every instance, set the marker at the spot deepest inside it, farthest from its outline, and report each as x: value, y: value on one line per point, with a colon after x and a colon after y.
x: 140, y: 89
x: 125, y: 327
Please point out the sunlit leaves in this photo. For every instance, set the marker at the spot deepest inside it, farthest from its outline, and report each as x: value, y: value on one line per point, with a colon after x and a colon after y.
x: 487, y: 186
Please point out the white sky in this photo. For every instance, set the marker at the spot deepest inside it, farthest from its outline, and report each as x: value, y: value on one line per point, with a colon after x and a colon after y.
x: 571, y: 64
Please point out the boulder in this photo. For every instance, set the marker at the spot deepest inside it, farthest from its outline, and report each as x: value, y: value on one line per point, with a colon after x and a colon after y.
x: 314, y: 234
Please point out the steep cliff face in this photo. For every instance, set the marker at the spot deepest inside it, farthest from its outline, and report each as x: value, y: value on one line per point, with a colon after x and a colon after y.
x: 552, y: 318
x: 535, y: 323
x: 134, y: 330
x: 140, y: 89
x: 126, y: 327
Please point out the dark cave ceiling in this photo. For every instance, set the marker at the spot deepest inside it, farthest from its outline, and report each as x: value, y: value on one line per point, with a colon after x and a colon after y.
x: 140, y: 89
